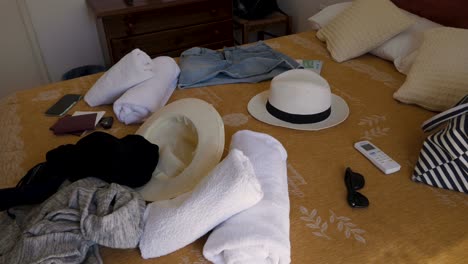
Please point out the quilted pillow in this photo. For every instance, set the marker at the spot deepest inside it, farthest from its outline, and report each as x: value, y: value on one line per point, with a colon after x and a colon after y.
x: 438, y: 78
x: 327, y: 14
x: 362, y: 27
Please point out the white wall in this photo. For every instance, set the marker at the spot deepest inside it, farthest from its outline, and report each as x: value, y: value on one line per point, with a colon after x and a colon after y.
x: 67, y: 34
x: 300, y: 10
x: 19, y: 66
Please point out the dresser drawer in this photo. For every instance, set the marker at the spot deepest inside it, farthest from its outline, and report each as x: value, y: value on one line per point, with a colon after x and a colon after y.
x: 176, y: 53
x: 167, y: 18
x: 164, y: 42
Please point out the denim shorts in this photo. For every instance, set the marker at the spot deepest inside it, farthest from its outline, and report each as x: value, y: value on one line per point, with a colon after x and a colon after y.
x: 243, y: 64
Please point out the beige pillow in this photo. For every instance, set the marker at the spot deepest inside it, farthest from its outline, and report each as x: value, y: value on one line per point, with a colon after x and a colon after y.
x: 438, y: 78
x: 362, y: 27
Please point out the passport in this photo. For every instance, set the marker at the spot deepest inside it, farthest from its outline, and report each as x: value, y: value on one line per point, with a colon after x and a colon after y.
x: 74, y: 124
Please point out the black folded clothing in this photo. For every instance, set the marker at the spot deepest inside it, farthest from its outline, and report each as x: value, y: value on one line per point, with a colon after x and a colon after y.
x: 129, y: 161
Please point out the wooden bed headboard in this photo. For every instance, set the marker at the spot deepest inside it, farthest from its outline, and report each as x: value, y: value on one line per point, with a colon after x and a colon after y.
x: 453, y: 13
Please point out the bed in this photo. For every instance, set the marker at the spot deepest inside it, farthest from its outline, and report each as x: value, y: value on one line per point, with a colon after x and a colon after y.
x: 406, y: 222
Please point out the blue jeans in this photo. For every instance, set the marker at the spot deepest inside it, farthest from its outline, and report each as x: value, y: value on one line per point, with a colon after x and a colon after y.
x: 251, y: 64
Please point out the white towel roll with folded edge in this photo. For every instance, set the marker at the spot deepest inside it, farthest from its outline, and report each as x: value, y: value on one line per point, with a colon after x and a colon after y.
x: 132, y: 69
x: 230, y: 188
x: 149, y: 96
x: 259, y: 234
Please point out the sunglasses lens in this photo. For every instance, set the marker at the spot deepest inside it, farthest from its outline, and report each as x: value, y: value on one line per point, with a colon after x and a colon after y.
x: 357, y: 200
x: 355, y: 180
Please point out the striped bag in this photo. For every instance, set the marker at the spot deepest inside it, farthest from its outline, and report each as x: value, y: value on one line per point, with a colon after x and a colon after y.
x: 443, y: 161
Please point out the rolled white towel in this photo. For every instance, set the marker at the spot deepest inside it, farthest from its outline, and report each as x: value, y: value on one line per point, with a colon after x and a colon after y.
x: 132, y: 69
x: 230, y: 188
x: 149, y: 96
x: 259, y: 234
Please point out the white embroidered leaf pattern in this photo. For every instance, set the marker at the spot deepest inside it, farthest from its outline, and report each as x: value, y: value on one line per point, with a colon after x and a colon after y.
x: 444, y: 199
x: 375, y: 132
x: 321, y: 225
x: 210, y: 96
x: 410, y: 163
x: 345, y: 223
x: 343, y: 218
x: 324, y: 226
x: 357, y: 231
x: 340, y: 226
x: 318, y: 234
x: 314, y: 223
x: 371, y: 120
x: 295, y: 180
x: 304, y: 210
x: 235, y: 119
x: 185, y: 260
x: 313, y: 213
x: 372, y: 72
x: 347, y: 233
x: 348, y: 97
x: 47, y: 95
x: 359, y: 238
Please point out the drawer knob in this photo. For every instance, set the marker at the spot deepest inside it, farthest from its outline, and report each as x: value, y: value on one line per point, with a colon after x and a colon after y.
x: 213, y: 11
x: 216, y: 32
x: 130, y: 27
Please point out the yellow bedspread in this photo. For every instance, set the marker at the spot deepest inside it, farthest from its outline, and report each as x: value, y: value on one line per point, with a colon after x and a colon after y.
x: 406, y: 222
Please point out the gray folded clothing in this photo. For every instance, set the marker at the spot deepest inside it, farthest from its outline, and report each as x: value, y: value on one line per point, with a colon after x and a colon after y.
x: 69, y: 226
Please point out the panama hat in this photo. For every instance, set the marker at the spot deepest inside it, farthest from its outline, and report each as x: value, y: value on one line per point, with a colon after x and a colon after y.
x: 190, y: 136
x: 299, y: 99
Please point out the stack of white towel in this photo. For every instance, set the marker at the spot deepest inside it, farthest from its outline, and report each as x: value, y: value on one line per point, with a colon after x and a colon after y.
x: 259, y: 234
x: 172, y: 224
x: 245, y: 199
x: 136, y: 85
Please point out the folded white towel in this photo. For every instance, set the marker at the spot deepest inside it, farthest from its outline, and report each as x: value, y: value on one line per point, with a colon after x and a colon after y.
x: 172, y: 224
x: 149, y: 96
x: 259, y: 234
x: 132, y: 69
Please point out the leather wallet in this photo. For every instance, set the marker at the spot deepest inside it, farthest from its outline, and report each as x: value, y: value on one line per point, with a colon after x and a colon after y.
x: 74, y: 124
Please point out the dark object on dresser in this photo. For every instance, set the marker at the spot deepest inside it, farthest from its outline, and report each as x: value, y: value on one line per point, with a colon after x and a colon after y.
x: 261, y: 25
x: 254, y: 9
x: 162, y: 27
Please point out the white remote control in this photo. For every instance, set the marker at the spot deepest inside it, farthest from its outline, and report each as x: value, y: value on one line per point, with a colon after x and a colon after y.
x: 377, y: 157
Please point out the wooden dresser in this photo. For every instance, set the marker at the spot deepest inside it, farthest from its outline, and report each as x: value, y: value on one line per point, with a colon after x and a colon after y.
x: 162, y: 27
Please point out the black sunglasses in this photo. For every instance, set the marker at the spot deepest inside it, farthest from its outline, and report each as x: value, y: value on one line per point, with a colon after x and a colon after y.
x: 355, y: 181
x: 106, y: 122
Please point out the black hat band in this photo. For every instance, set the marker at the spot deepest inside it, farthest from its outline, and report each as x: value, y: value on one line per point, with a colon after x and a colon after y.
x: 295, y: 118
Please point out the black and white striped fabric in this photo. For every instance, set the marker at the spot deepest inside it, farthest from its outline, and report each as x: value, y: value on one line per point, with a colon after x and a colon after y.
x: 443, y: 161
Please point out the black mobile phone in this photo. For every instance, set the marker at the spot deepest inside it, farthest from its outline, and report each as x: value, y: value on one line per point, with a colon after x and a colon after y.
x: 63, y: 105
